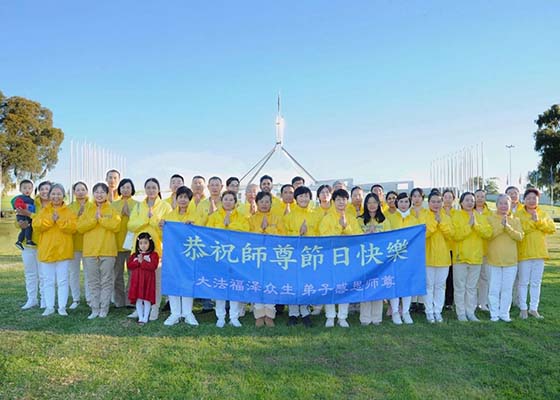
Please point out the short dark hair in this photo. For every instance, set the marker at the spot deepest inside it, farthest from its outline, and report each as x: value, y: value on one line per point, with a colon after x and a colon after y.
x: 177, y: 176
x: 229, y: 192
x: 434, y: 192
x: 79, y: 183
x: 23, y: 181
x: 215, y: 178
x: 285, y: 186
x: 184, y: 190
x: 298, y: 178
x: 265, y: 177
x: 535, y: 191
x: 449, y: 191
x: 463, y: 195
x: 231, y: 179
x: 329, y: 187
x: 417, y: 190
x: 112, y: 170
x: 101, y: 185
x: 124, y: 182
x: 511, y: 187
x: 262, y: 195
x: 198, y: 177
x: 376, y: 185
x: 340, y: 193
x: 353, y: 190
x: 302, y: 190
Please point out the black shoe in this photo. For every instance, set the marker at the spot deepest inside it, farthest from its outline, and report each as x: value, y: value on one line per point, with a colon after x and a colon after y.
x: 19, y: 245
x: 166, y: 307
x: 279, y: 309
x: 307, y: 321
x: 414, y: 307
x: 421, y: 308
x: 292, y: 321
x: 31, y: 243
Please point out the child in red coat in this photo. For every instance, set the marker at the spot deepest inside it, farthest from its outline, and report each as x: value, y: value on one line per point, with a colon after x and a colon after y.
x: 143, y: 264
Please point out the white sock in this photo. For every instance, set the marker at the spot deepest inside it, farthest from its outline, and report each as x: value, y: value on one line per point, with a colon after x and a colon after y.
x: 147, y: 309
x: 139, y: 309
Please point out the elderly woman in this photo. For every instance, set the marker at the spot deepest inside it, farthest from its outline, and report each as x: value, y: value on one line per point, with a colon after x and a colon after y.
x: 502, y: 258
x: 55, y: 224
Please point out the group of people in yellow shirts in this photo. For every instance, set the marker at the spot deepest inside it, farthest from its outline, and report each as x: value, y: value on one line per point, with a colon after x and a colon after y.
x: 496, y: 257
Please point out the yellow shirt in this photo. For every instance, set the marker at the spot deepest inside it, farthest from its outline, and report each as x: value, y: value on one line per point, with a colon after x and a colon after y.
x: 237, y: 222
x: 99, y: 234
x: 175, y: 216
x: 275, y: 224
x: 141, y: 220
x: 502, y: 246
x: 379, y: 227
x: 330, y: 225
x: 469, y: 240
x: 294, y: 220
x: 78, y: 237
x: 123, y: 230
x: 413, y: 219
x: 202, y: 210
x: 395, y: 219
x: 55, y: 238
x: 437, y: 249
x: 533, y: 246
x: 352, y: 212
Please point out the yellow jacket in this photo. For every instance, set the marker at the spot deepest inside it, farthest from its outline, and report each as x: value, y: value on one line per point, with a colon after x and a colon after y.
x: 275, y: 223
x: 486, y: 212
x: 330, y: 225
x: 140, y: 221
x: 174, y: 216
x: 99, y: 234
x: 395, y: 219
x: 78, y: 237
x: 244, y: 209
x: 502, y: 246
x: 55, y: 238
x: 379, y: 227
x: 352, y: 212
x: 202, y: 210
x: 413, y: 220
x: 123, y: 230
x: 533, y: 246
x: 469, y: 240
x: 237, y: 221
x: 280, y: 208
x: 437, y: 249
x: 294, y: 220
x: 450, y: 214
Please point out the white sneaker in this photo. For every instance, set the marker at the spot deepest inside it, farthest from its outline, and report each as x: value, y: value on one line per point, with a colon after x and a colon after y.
x: 523, y: 314
x: 74, y: 305
x: 396, y: 318
x: 47, y: 312
x: 430, y: 318
x: 103, y: 314
x: 535, y: 313
x: 407, y: 319
x: 133, y: 315
x: 191, y: 320
x: 154, y: 314
x: 506, y: 319
x: 329, y: 323
x: 343, y: 323
x: 62, y: 311
x: 438, y: 317
x: 93, y: 315
x: 171, y: 320
x: 235, y: 322
x: 28, y: 305
x: 494, y: 319
x: 221, y: 323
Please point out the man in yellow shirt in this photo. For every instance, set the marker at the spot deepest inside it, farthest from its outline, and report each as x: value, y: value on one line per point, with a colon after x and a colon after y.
x: 113, y: 178
x: 175, y: 182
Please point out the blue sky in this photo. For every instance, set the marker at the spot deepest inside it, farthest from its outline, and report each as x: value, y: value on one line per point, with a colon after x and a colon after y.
x: 373, y: 90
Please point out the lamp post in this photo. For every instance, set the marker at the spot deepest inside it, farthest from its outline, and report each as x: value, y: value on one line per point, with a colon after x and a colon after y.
x: 509, y: 147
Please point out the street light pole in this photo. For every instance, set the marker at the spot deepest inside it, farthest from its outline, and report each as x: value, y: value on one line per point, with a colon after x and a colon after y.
x: 509, y: 147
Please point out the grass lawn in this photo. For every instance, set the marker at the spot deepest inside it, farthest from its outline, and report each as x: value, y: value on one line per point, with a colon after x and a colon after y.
x: 73, y: 358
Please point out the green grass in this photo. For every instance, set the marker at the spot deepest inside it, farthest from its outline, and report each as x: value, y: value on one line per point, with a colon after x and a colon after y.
x: 71, y: 358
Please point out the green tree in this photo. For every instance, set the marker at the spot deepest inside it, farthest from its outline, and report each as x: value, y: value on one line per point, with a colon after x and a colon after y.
x: 29, y: 144
x: 547, y: 144
x: 491, y: 186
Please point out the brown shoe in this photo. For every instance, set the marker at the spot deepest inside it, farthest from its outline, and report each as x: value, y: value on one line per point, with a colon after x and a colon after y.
x: 259, y: 322
x: 269, y: 322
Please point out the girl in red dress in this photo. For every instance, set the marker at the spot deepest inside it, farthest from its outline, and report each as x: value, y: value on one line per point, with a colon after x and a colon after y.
x: 143, y: 264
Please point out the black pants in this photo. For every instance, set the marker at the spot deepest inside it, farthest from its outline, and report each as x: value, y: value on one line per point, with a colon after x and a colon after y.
x: 449, y: 286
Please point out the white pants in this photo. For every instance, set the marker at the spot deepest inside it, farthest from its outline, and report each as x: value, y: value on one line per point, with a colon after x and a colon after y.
x: 530, y: 274
x: 465, y: 280
x: 221, y: 309
x: 435, y: 289
x: 74, y: 276
x: 330, y: 311
x: 31, y: 271
x: 483, y: 284
x: 155, y: 306
x: 264, y: 310
x: 100, y: 281
x: 405, y: 301
x: 500, y: 292
x: 180, y: 306
x: 295, y: 310
x: 56, y: 273
x: 371, y: 312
